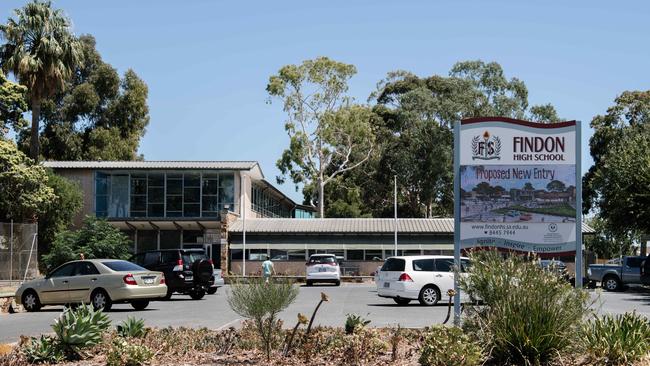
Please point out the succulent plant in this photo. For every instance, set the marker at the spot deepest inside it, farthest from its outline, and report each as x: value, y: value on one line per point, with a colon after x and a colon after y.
x: 132, y: 328
x: 80, y: 328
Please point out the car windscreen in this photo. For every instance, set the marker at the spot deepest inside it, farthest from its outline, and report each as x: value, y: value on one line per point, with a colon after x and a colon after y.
x: 123, y: 266
x: 191, y: 257
x: 321, y: 260
x: 394, y: 264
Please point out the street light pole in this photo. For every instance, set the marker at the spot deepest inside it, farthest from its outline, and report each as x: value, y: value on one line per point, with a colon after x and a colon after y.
x: 243, y: 214
x: 395, y: 209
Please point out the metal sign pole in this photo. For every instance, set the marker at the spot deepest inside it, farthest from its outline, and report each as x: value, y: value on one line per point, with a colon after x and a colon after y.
x: 243, y: 212
x: 11, y: 252
x: 457, y: 199
x: 578, y: 205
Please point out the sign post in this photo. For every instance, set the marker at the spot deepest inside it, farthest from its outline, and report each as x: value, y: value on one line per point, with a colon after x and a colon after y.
x: 517, y: 188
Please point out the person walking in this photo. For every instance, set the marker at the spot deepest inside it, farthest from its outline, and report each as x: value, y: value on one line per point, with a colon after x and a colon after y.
x: 267, y: 269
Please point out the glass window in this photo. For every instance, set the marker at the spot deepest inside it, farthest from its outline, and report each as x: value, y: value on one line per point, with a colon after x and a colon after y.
x: 192, y: 195
x: 191, y: 210
x: 210, y: 186
x: 156, y: 180
x: 210, y: 203
x: 296, y: 255
x: 192, y: 236
x: 423, y: 265
x: 123, y: 266
x: 138, y: 184
x: 86, y: 269
x: 101, y: 194
x: 156, y: 195
x: 445, y: 265
x: 412, y: 252
x: 354, y: 255
x: 174, y: 203
x: 174, y: 186
x: 170, y: 239
x: 119, y: 196
x: 373, y: 255
x: 169, y: 256
x: 151, y: 258
x: 138, y: 203
x: 391, y: 253
x: 64, y: 271
x: 394, y: 264
x: 156, y: 210
x: 257, y: 254
x: 279, y: 255
x: 236, y: 254
x: 147, y: 240
x: 192, y: 180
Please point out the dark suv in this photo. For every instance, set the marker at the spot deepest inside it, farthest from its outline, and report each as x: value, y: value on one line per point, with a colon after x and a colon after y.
x: 187, y: 271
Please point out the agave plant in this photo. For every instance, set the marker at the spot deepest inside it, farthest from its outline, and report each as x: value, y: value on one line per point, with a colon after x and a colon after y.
x: 132, y: 328
x: 80, y: 328
x: 44, y: 349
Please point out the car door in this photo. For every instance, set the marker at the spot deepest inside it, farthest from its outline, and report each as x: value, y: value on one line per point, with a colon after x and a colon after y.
x: 84, y: 280
x: 444, y: 275
x: 632, y: 270
x: 56, y: 285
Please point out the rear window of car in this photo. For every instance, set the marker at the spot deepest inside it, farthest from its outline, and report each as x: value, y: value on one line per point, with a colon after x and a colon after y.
x: 634, y: 262
x: 394, y: 264
x: 321, y: 260
x: 120, y: 266
x: 191, y: 257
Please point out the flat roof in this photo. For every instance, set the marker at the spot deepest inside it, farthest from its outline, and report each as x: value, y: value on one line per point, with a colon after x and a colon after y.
x: 352, y: 225
x: 152, y: 164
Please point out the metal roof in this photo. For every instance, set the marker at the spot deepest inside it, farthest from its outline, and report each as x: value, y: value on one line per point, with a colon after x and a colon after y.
x: 151, y: 164
x: 439, y: 225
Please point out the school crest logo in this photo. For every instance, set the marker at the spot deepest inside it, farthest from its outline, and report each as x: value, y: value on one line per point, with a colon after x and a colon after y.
x: 486, y: 147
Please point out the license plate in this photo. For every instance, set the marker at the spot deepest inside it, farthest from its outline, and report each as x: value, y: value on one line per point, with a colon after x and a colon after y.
x: 322, y: 269
x: 386, y: 284
x: 148, y: 280
x: 189, y: 278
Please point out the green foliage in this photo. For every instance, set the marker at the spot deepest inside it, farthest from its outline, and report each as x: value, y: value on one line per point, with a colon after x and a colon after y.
x: 528, y: 315
x: 354, y: 323
x: 328, y: 135
x: 99, y: 115
x: 619, y: 339
x: 43, y: 350
x: 445, y: 346
x: 616, y: 183
x: 95, y: 239
x: 12, y: 105
x: 127, y: 353
x: 24, y: 185
x: 262, y: 302
x: 607, y: 242
x: 59, y: 213
x: 41, y: 52
x: 132, y: 328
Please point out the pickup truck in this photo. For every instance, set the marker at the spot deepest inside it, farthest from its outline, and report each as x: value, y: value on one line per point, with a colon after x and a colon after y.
x: 614, y: 276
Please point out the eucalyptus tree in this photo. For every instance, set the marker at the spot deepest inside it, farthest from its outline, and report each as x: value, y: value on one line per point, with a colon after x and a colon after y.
x: 329, y: 135
x: 41, y: 51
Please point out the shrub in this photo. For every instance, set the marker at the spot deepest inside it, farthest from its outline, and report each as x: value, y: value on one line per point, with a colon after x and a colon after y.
x: 450, y: 346
x: 80, y: 328
x: 43, y: 350
x: 362, y: 347
x: 127, y: 353
x: 262, y: 302
x: 530, y: 315
x: 131, y: 328
x: 354, y: 322
x: 617, y: 339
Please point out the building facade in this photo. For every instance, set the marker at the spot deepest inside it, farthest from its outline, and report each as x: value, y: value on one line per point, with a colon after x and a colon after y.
x: 176, y: 204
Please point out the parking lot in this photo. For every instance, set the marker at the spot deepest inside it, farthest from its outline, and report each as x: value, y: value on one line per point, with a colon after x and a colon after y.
x: 213, y: 310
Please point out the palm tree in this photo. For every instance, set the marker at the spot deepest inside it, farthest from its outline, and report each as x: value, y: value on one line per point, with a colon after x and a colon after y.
x: 42, y: 54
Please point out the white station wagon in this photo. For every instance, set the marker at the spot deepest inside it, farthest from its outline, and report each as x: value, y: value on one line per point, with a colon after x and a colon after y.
x: 425, y: 278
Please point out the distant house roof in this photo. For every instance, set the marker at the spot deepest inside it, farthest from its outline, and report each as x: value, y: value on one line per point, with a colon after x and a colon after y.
x: 156, y: 164
x: 438, y: 225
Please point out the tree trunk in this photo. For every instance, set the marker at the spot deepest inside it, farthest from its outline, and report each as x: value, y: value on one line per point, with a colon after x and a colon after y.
x: 33, y: 142
x: 321, y: 197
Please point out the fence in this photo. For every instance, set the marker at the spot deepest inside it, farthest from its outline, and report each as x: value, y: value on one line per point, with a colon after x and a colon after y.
x: 18, y: 251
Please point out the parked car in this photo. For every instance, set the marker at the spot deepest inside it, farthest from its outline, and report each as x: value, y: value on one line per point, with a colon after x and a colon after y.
x: 217, y: 282
x: 421, y: 277
x: 188, y: 271
x: 645, y: 271
x: 323, y: 268
x: 100, y: 282
x: 613, y: 277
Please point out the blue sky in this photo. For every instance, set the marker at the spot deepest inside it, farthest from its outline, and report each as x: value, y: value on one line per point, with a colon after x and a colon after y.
x: 207, y: 63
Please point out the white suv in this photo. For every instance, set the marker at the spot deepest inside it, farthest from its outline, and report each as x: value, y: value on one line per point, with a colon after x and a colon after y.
x: 323, y: 268
x: 423, y: 277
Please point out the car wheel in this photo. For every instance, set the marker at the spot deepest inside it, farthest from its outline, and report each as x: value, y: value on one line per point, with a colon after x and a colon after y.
x: 100, y: 300
x: 429, y: 296
x: 197, y: 294
x: 140, y: 304
x: 212, y: 290
x: 30, y: 301
x: 337, y: 283
x: 310, y: 283
x: 401, y: 301
x: 611, y: 283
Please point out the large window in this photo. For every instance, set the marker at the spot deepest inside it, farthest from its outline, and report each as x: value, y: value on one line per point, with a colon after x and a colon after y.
x: 264, y: 203
x: 163, y: 194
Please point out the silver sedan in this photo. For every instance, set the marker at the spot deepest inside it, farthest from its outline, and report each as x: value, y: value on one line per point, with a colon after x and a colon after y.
x: 100, y: 282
